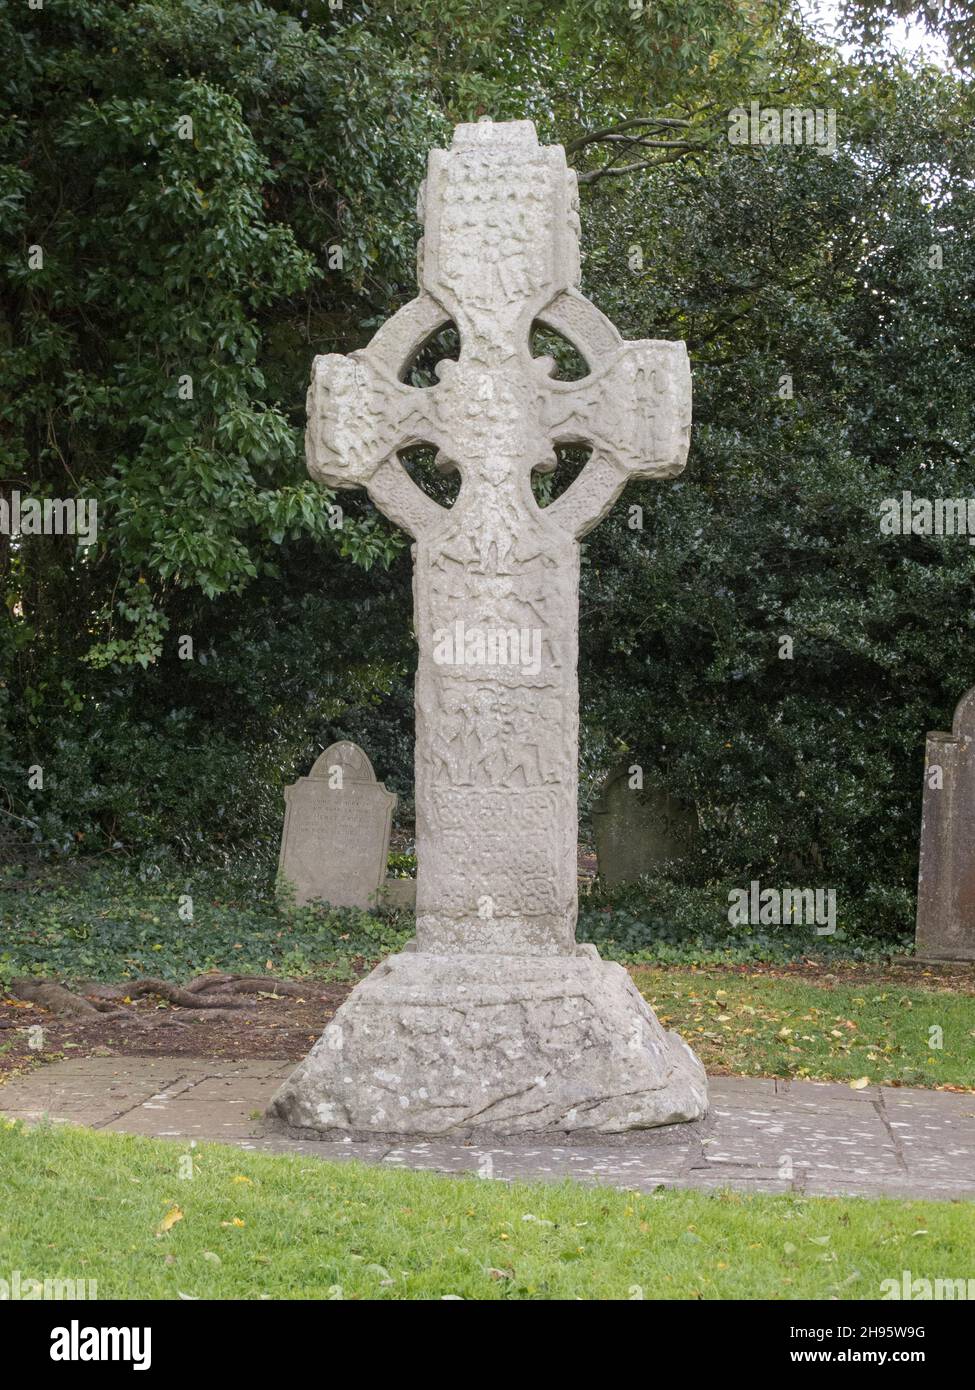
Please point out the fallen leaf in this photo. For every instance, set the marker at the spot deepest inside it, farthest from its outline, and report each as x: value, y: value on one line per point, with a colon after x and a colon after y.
x: 169, y: 1220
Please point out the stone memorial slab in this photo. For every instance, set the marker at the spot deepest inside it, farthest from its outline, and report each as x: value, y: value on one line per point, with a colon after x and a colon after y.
x: 337, y: 823
x: 946, y: 875
x: 496, y: 1020
x: 635, y: 830
x: 400, y: 893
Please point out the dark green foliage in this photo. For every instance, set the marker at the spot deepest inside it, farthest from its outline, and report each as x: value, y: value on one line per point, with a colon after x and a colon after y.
x: 660, y: 919
x: 121, y: 923
x: 214, y: 257
x: 188, y: 170
x: 91, y: 920
x: 806, y: 770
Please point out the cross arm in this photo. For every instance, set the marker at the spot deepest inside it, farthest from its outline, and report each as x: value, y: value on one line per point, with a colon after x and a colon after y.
x: 360, y: 415
x: 636, y: 415
x: 359, y: 410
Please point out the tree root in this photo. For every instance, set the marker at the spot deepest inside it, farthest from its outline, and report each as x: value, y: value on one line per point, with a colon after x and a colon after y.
x: 206, y: 983
x: 209, y: 991
x: 60, y: 1001
x: 184, y: 998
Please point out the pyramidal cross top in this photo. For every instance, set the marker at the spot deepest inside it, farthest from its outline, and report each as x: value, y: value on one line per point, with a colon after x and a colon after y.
x: 496, y: 1020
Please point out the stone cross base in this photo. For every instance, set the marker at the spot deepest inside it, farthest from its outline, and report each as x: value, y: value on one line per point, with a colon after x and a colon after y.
x: 465, y: 1045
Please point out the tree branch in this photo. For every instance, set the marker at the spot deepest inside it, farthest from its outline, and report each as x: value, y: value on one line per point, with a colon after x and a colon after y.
x: 606, y: 132
x: 609, y: 171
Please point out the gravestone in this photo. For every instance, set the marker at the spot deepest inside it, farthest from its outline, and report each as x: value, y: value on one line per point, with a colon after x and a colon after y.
x: 637, y: 829
x: 496, y: 1021
x: 400, y: 893
x: 946, y: 875
x: 337, y: 821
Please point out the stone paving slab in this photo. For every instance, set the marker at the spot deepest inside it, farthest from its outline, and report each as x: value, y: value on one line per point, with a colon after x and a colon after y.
x: 820, y: 1092
x: 854, y: 1140
x: 332, y: 1150
x: 224, y: 1121
x: 823, y: 1139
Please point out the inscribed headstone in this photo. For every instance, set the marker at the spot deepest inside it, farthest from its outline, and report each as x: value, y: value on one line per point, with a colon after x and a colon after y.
x: 337, y: 822
x: 636, y: 829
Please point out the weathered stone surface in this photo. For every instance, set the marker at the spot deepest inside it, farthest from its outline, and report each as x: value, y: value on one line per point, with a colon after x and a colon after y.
x: 337, y: 822
x: 637, y: 829
x: 946, y: 875
x: 496, y: 582
x: 447, y: 1045
x: 496, y: 755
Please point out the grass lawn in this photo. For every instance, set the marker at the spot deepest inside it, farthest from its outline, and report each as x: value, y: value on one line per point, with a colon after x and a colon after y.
x: 766, y: 1025
x: 121, y: 1210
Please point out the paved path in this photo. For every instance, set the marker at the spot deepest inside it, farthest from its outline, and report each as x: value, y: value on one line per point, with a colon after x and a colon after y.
x: 761, y: 1136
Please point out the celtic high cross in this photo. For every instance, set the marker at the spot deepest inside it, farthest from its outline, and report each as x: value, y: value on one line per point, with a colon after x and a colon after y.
x: 496, y: 749
x: 495, y: 1018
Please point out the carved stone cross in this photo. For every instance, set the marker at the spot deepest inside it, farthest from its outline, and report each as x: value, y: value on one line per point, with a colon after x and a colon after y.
x: 496, y: 615
x: 496, y: 757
